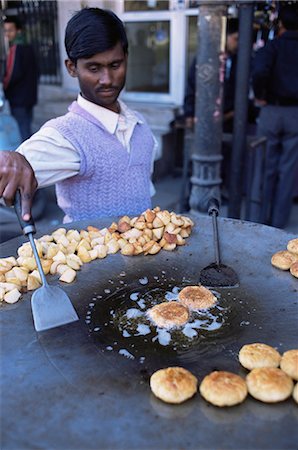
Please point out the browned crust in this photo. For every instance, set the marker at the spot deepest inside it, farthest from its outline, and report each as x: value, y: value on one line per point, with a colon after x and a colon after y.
x: 289, y: 363
x: 168, y: 314
x: 173, y: 384
x: 196, y: 297
x: 283, y: 259
x: 258, y: 355
x: 269, y: 384
x: 293, y: 246
x: 223, y: 388
x: 294, y: 269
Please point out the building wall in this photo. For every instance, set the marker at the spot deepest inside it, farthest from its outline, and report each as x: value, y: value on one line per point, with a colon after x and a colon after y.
x: 66, y: 8
x: 54, y: 100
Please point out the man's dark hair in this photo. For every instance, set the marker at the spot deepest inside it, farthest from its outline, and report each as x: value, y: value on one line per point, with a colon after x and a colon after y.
x: 232, y: 25
x: 15, y: 20
x: 91, y: 31
x: 289, y: 16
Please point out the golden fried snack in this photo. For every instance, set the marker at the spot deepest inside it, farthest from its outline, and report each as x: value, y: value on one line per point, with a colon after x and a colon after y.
x: 289, y: 363
x: 269, y: 384
x: 283, y: 259
x: 293, y: 246
x: 256, y: 355
x: 173, y: 385
x: 196, y: 297
x: 295, y: 393
x: 223, y: 388
x: 168, y: 314
x: 294, y: 269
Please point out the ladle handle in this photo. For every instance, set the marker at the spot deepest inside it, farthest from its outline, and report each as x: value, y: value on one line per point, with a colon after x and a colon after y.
x: 27, y: 226
x: 213, y: 206
x: 213, y: 210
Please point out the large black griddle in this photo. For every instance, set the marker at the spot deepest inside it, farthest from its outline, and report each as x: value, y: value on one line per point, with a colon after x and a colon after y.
x: 64, y: 389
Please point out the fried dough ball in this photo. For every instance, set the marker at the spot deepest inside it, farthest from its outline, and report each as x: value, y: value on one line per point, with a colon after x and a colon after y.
x: 223, y: 388
x: 294, y: 269
x: 269, y: 384
x: 289, y: 363
x: 168, y: 314
x: 283, y: 259
x: 196, y: 297
x: 173, y: 385
x: 256, y: 355
x: 293, y: 246
x: 295, y: 393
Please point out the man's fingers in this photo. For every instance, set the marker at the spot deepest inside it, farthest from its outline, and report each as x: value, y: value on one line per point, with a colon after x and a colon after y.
x: 8, y: 192
x: 26, y: 202
x: 17, y: 173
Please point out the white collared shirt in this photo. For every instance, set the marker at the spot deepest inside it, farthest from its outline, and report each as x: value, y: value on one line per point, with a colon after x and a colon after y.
x: 53, y: 158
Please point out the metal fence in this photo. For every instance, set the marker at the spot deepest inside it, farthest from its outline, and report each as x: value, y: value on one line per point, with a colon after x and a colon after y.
x: 40, y: 26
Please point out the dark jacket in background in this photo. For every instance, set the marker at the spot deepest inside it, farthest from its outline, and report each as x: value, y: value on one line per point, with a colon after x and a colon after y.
x: 275, y: 70
x: 229, y: 88
x: 21, y: 89
x: 190, y: 92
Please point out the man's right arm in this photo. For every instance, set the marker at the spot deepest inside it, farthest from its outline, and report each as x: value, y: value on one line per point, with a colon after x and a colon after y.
x: 16, y: 173
x: 44, y: 159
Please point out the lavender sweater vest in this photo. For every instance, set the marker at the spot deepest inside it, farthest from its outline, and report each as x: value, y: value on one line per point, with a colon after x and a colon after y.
x: 111, y: 181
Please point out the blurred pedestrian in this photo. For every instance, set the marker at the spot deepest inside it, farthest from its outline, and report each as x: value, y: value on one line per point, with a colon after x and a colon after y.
x: 100, y: 154
x: 275, y: 83
x: 232, y: 32
x: 229, y: 81
x: 21, y: 76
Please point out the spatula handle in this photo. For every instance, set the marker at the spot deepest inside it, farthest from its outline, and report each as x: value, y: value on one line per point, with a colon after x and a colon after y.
x: 27, y: 226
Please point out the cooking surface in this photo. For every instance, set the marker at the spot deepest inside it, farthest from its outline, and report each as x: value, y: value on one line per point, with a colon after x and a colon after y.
x: 85, y: 385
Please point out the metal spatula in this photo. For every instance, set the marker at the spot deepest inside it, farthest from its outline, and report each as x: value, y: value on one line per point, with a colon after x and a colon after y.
x: 51, y: 307
x: 217, y: 274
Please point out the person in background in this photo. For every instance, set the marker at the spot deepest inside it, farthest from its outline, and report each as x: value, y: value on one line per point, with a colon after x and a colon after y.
x: 228, y: 97
x: 275, y: 84
x: 20, y: 81
x: 100, y: 154
x: 229, y: 81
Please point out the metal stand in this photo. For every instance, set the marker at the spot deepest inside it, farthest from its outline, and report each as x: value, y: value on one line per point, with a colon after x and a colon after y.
x: 206, y: 154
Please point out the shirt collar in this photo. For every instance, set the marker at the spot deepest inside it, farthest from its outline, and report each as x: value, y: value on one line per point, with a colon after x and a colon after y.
x: 109, y: 118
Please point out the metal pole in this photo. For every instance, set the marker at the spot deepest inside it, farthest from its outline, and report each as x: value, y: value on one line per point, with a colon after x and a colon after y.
x: 3, y: 49
x: 241, y: 105
x: 207, y: 156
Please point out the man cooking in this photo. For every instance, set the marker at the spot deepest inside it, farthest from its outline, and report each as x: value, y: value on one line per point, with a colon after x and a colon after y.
x: 100, y: 154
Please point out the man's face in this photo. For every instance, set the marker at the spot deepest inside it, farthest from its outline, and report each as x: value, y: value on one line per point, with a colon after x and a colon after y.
x: 10, y: 31
x: 232, y: 43
x: 101, y: 77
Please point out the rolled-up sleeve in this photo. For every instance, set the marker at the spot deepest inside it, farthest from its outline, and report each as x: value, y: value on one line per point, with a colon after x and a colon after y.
x: 52, y: 157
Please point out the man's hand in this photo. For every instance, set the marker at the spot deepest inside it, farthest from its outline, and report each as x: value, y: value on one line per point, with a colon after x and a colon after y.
x: 228, y: 116
x: 190, y: 122
x: 16, y: 173
x: 260, y: 102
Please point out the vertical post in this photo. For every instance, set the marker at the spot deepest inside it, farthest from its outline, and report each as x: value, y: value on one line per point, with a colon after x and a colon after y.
x: 3, y: 49
x: 241, y: 106
x: 208, y: 107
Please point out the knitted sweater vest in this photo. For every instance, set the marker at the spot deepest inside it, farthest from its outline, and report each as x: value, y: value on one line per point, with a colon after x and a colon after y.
x: 111, y: 181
